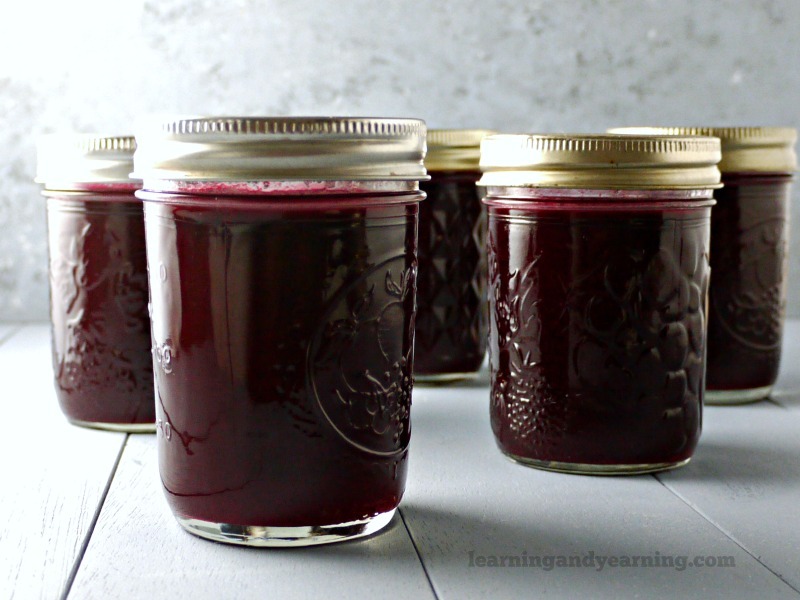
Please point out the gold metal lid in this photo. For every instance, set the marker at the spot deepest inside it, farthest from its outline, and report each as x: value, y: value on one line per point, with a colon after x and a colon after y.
x: 590, y: 161
x: 455, y: 149
x: 65, y: 161
x: 281, y: 148
x: 744, y: 149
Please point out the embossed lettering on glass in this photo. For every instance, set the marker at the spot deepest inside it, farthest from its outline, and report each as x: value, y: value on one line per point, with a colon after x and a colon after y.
x: 283, y: 274
x: 749, y: 245
x: 451, y: 330
x: 598, y: 252
x: 98, y: 282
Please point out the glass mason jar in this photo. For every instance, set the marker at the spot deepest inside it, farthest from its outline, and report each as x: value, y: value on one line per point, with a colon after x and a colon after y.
x: 98, y: 282
x: 598, y: 272
x: 451, y: 288
x: 749, y: 252
x: 282, y: 261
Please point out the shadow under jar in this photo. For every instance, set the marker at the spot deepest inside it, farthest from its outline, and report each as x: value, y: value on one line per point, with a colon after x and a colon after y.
x: 282, y: 286
x: 598, y: 274
x: 451, y: 326
x: 749, y: 252
x: 98, y: 282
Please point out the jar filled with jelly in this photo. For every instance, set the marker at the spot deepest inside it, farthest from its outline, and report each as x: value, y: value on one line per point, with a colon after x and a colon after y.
x: 282, y: 257
x: 598, y: 273
x: 98, y: 282
x: 451, y: 296
x: 749, y: 251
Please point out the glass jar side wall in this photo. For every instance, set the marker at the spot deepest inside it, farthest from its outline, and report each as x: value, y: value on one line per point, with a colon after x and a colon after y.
x: 283, y: 329
x: 98, y: 309
x: 747, y: 299
x: 597, y: 328
x: 451, y: 299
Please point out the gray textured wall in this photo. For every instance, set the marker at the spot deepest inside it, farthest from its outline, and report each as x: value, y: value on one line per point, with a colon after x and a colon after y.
x: 515, y: 65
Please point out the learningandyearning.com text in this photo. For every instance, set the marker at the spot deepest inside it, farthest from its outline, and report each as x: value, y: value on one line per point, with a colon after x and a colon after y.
x: 598, y: 562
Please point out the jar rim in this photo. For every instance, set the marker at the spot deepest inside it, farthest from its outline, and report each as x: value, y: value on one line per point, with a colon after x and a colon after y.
x: 279, y: 188
x: 574, y: 195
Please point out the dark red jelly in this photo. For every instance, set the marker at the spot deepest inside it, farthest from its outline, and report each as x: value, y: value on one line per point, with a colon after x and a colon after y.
x: 597, y: 328
x: 747, y: 301
x: 98, y: 308
x: 451, y: 298
x: 283, y: 332
x: 749, y: 227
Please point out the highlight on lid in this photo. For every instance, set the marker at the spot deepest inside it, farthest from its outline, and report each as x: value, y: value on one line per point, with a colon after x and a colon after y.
x: 65, y: 161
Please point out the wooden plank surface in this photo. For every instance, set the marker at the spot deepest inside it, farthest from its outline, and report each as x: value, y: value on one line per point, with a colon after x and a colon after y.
x: 53, y: 474
x: 139, y: 551
x: 738, y: 498
x: 746, y: 476
x: 467, y: 501
x: 787, y: 389
x: 6, y: 331
x: 746, y: 480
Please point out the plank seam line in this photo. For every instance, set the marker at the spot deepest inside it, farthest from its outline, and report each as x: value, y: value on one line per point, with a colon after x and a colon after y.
x: 13, y: 331
x: 777, y: 403
x: 85, y: 544
x: 722, y: 530
x: 419, y: 555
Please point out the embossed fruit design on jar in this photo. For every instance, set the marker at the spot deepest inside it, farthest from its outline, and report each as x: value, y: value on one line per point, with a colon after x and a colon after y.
x: 282, y: 255
x: 598, y: 274
x: 98, y: 282
x: 451, y: 289
x: 749, y: 251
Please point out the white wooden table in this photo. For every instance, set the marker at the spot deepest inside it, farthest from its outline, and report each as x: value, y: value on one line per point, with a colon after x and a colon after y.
x: 82, y: 513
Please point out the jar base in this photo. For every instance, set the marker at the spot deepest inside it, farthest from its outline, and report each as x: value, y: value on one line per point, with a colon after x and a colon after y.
x: 122, y: 427
x: 285, y: 537
x: 434, y: 379
x: 726, y: 397
x: 596, y: 469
